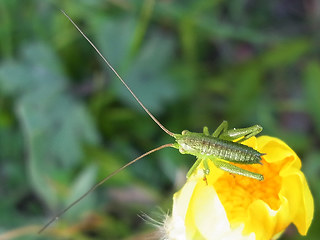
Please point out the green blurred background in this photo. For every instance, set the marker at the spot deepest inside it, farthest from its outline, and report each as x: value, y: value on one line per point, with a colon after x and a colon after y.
x: 66, y: 121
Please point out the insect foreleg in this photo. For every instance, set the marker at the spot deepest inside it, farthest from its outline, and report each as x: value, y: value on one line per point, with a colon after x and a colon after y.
x: 236, y: 170
x: 242, y: 133
x: 194, y: 167
x: 206, y: 169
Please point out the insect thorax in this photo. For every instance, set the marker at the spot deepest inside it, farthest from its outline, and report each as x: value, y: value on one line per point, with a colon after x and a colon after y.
x: 203, y: 146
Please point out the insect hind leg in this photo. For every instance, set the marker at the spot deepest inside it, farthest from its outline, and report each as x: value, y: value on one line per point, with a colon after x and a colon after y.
x: 221, y: 129
x: 236, y: 170
x: 241, y: 133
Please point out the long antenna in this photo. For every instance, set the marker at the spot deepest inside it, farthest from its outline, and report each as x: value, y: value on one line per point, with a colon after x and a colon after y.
x: 55, y: 218
x: 115, y: 72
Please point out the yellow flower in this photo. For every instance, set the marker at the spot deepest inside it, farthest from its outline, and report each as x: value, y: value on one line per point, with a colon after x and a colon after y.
x: 234, y: 207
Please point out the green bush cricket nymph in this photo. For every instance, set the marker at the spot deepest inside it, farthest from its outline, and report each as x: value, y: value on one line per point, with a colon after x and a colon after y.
x: 221, y: 147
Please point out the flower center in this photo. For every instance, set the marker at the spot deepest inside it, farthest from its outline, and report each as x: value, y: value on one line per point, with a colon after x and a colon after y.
x: 237, y: 192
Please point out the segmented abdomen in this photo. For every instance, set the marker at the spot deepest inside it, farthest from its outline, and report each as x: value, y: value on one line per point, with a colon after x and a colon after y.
x: 227, y: 150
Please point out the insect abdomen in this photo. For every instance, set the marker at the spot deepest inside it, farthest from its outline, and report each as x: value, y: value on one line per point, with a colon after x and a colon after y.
x: 227, y: 150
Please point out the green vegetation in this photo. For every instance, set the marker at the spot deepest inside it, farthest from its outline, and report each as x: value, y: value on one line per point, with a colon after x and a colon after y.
x: 66, y: 121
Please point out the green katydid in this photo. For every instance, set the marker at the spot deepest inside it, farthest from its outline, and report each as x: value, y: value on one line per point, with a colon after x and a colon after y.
x: 221, y: 147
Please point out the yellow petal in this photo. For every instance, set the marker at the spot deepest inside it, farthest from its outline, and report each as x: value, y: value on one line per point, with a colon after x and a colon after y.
x: 300, y: 200
x: 234, y: 207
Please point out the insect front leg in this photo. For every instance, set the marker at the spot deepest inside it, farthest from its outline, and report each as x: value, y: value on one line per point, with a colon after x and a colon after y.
x: 236, y: 170
x: 194, y: 167
x: 206, y: 169
x: 242, y: 133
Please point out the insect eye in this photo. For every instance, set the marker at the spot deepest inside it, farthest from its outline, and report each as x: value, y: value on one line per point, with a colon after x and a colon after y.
x: 184, y: 132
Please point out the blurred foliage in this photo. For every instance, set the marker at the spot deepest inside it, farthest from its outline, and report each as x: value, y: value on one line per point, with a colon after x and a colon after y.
x: 66, y: 121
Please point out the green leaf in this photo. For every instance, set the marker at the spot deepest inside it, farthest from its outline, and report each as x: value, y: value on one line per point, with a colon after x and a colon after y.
x: 85, y: 180
x: 287, y: 52
x: 152, y: 84
x: 55, y: 124
x: 312, y: 88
